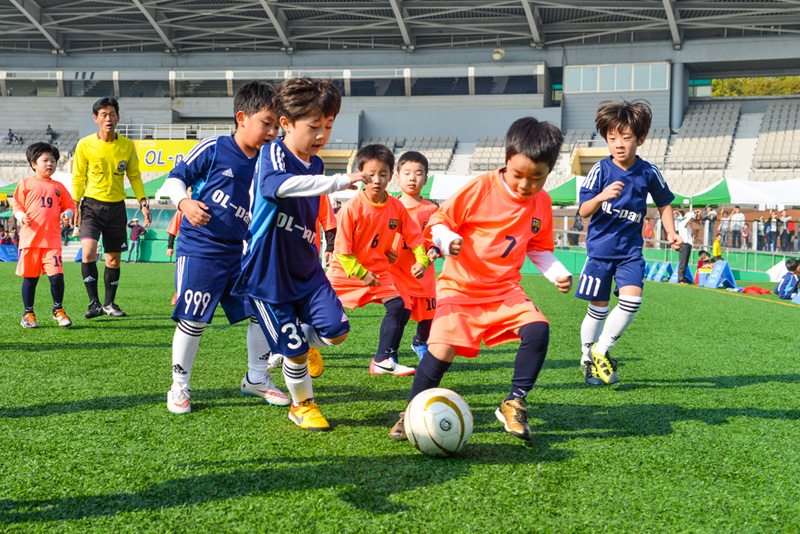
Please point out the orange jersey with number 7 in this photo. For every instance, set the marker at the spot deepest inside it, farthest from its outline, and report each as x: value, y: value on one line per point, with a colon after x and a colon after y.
x: 498, y: 230
x: 43, y: 201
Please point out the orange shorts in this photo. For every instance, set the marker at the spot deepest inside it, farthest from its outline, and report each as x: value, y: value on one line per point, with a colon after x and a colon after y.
x: 464, y: 326
x: 36, y: 260
x: 422, y: 308
x: 354, y: 294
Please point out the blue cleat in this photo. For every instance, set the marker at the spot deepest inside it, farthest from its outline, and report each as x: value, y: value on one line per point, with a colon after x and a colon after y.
x: 420, y: 349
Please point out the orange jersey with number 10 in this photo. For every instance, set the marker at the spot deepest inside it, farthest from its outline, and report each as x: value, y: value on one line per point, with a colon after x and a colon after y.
x: 498, y: 230
x: 401, y: 269
x: 43, y: 200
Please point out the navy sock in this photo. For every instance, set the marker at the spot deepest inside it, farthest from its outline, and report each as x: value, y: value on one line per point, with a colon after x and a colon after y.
x: 429, y: 374
x: 29, y: 293
x: 89, y: 273
x: 423, y: 331
x: 111, y: 279
x: 530, y: 358
x: 391, y: 330
x: 57, y: 291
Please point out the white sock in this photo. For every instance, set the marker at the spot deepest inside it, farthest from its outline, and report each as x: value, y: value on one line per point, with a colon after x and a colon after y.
x: 618, y: 321
x: 314, y: 339
x: 590, y: 329
x: 298, y: 381
x: 257, y: 353
x: 185, y: 343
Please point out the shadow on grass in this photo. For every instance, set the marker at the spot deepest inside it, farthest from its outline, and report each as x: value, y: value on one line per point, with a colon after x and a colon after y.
x: 365, y: 483
x: 61, y: 346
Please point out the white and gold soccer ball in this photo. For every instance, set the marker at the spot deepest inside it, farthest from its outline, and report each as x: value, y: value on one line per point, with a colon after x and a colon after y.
x: 438, y: 422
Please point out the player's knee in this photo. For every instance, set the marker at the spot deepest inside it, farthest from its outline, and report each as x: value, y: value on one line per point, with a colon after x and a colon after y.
x: 395, y: 307
x: 336, y: 340
x: 535, y: 336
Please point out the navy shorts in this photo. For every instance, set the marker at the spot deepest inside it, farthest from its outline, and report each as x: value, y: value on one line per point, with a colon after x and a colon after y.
x: 202, y: 283
x: 107, y: 218
x: 281, y: 322
x: 595, y: 281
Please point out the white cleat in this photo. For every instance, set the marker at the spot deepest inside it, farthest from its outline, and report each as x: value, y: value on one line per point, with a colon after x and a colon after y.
x: 178, y: 401
x: 265, y: 390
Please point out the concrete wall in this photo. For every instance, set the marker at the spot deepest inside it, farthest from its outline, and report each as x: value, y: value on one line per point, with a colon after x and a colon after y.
x: 579, y: 109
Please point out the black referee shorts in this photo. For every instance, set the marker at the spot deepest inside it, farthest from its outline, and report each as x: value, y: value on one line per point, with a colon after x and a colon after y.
x: 107, y: 218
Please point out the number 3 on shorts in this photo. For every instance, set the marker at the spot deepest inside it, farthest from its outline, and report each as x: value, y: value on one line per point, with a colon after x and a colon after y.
x: 290, y: 330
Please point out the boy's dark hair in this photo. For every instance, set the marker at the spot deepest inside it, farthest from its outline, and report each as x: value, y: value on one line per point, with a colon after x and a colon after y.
x: 300, y: 97
x: 253, y: 97
x: 540, y: 142
x: 378, y: 152
x: 104, y: 103
x: 791, y: 265
x: 35, y: 150
x: 703, y: 253
x: 413, y: 156
x: 613, y: 115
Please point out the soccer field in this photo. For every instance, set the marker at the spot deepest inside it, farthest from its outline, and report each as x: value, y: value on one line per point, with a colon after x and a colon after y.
x: 700, y: 435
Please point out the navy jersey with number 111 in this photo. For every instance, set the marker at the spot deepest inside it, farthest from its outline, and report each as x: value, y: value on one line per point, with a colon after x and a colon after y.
x: 220, y: 175
x: 615, y: 230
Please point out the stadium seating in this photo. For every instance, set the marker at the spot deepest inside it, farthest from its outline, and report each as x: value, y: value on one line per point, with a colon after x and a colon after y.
x: 490, y: 153
x: 438, y: 150
x: 574, y: 136
x: 654, y: 149
x: 778, y: 144
x: 705, y: 137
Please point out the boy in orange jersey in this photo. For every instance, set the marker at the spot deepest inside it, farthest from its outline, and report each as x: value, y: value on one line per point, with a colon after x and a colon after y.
x: 486, y: 230
x: 419, y: 294
x: 42, y: 206
x: 360, y: 271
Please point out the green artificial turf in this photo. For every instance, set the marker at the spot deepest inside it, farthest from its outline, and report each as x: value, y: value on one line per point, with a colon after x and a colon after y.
x: 700, y: 435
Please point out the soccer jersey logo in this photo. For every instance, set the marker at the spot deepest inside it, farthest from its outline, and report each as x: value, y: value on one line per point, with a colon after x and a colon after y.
x: 58, y: 192
x: 122, y: 166
x: 536, y: 225
x: 393, y: 223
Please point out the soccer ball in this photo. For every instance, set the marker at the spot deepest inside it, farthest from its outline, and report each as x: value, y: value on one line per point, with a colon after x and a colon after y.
x: 438, y: 422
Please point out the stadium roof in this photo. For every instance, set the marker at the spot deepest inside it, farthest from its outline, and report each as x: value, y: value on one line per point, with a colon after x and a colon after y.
x: 184, y: 26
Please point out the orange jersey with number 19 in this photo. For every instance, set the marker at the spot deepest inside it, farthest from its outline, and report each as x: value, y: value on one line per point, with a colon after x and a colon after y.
x: 43, y: 201
x: 498, y: 230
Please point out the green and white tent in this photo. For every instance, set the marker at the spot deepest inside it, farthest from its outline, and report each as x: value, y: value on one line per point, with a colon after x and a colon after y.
x: 745, y: 193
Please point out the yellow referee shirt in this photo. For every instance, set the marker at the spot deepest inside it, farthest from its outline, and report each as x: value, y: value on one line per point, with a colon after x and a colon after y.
x: 99, y: 169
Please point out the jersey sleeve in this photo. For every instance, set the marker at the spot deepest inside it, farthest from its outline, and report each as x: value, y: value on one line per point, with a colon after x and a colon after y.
x: 195, y: 165
x: 326, y: 217
x: 271, y: 170
x: 79, y: 167
x: 658, y: 189
x: 455, y: 209
x: 65, y: 200
x: 346, y: 230
x: 542, y: 239
x: 592, y: 185
x: 133, y: 173
x: 19, y: 196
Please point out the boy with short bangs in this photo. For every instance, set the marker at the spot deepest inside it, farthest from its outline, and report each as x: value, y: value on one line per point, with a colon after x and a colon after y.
x: 614, y: 195
x: 360, y: 272
x: 479, y: 296
x: 419, y: 294
x: 281, y: 272
x: 219, y: 171
x: 41, y: 207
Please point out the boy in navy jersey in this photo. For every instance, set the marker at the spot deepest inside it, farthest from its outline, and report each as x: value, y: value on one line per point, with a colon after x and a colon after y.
x: 614, y: 195
x: 220, y: 172
x: 787, y: 287
x: 281, y: 271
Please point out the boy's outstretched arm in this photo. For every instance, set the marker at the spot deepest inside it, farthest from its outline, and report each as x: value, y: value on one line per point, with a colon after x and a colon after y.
x: 589, y: 207
x: 446, y: 240
x: 312, y: 185
x: 669, y: 226
x: 552, y: 269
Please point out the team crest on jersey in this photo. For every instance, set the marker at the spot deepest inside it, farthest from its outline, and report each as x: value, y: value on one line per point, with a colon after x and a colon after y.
x: 122, y: 166
x: 58, y: 192
x: 393, y: 223
x: 536, y: 225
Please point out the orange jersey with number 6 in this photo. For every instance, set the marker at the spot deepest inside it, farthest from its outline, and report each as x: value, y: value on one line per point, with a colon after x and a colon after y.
x: 498, y: 230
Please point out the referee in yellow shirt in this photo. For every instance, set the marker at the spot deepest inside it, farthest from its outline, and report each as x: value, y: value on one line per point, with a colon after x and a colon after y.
x: 98, y: 185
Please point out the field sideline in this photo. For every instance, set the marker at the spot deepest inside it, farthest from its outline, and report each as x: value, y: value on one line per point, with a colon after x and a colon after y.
x: 701, y: 435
